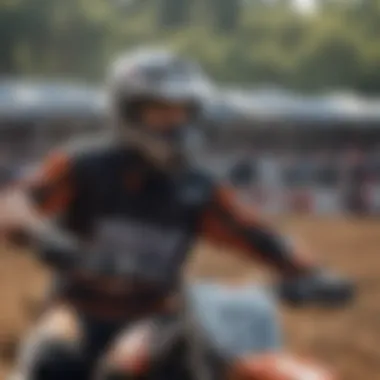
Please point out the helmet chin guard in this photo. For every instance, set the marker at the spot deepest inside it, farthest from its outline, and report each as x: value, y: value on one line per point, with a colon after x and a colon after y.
x: 161, y: 153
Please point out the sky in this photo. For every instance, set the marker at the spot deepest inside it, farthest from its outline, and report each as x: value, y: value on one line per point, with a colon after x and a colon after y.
x: 306, y: 4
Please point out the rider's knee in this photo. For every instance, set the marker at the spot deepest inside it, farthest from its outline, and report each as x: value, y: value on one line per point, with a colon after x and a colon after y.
x: 55, y: 360
x: 51, y: 349
x: 43, y: 358
x: 129, y: 356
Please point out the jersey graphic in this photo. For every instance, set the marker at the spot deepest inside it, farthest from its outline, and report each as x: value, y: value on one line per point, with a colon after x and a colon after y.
x: 138, y: 249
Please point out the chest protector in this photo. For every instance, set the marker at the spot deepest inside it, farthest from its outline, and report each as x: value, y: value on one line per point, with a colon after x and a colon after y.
x: 141, y: 223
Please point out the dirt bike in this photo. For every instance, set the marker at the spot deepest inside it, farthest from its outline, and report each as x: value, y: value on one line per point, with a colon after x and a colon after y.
x: 236, y: 305
x: 215, y: 324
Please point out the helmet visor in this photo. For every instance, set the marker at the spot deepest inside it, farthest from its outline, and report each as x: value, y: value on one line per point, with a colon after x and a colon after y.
x: 157, y: 114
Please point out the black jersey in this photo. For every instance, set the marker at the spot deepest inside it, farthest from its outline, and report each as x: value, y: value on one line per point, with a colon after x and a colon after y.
x: 141, y: 223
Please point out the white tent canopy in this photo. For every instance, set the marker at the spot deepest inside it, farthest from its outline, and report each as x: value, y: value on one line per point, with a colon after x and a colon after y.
x: 20, y: 100
x: 285, y: 106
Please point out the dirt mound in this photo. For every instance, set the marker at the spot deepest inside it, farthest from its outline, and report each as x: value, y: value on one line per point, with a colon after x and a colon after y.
x: 348, y: 339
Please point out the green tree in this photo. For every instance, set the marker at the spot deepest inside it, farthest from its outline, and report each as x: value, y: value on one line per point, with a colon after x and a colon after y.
x: 174, y: 13
x: 248, y: 42
x: 226, y: 14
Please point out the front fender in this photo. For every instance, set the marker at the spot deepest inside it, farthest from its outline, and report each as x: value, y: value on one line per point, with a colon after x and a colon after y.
x: 236, y: 320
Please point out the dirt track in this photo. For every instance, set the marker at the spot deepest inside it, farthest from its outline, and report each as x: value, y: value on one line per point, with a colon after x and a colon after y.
x: 347, y: 339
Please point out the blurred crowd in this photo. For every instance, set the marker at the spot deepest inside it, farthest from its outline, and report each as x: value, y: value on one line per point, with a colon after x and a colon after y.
x: 322, y: 168
x: 327, y: 182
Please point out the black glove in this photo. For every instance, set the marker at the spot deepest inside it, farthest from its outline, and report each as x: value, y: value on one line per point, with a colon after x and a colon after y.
x: 319, y: 288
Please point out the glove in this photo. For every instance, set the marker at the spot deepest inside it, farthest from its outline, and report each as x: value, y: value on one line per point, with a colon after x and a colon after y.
x: 318, y: 288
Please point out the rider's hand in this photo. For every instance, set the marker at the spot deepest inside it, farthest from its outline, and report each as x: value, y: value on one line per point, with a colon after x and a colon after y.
x: 319, y: 288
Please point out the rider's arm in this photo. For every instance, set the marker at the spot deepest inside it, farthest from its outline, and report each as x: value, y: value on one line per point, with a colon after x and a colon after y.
x: 30, y: 205
x: 228, y: 222
x: 44, y: 194
x: 51, y: 188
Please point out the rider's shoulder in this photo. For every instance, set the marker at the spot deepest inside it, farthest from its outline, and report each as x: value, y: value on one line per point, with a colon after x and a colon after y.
x: 91, y: 147
x: 94, y: 151
x: 98, y: 154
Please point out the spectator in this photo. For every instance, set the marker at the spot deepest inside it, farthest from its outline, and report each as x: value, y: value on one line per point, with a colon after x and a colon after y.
x: 357, y: 174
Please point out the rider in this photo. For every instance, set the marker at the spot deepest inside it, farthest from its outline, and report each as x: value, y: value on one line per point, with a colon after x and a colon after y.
x: 126, y: 211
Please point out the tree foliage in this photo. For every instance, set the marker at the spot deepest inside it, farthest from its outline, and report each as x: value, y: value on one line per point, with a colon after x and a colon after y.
x: 246, y: 42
